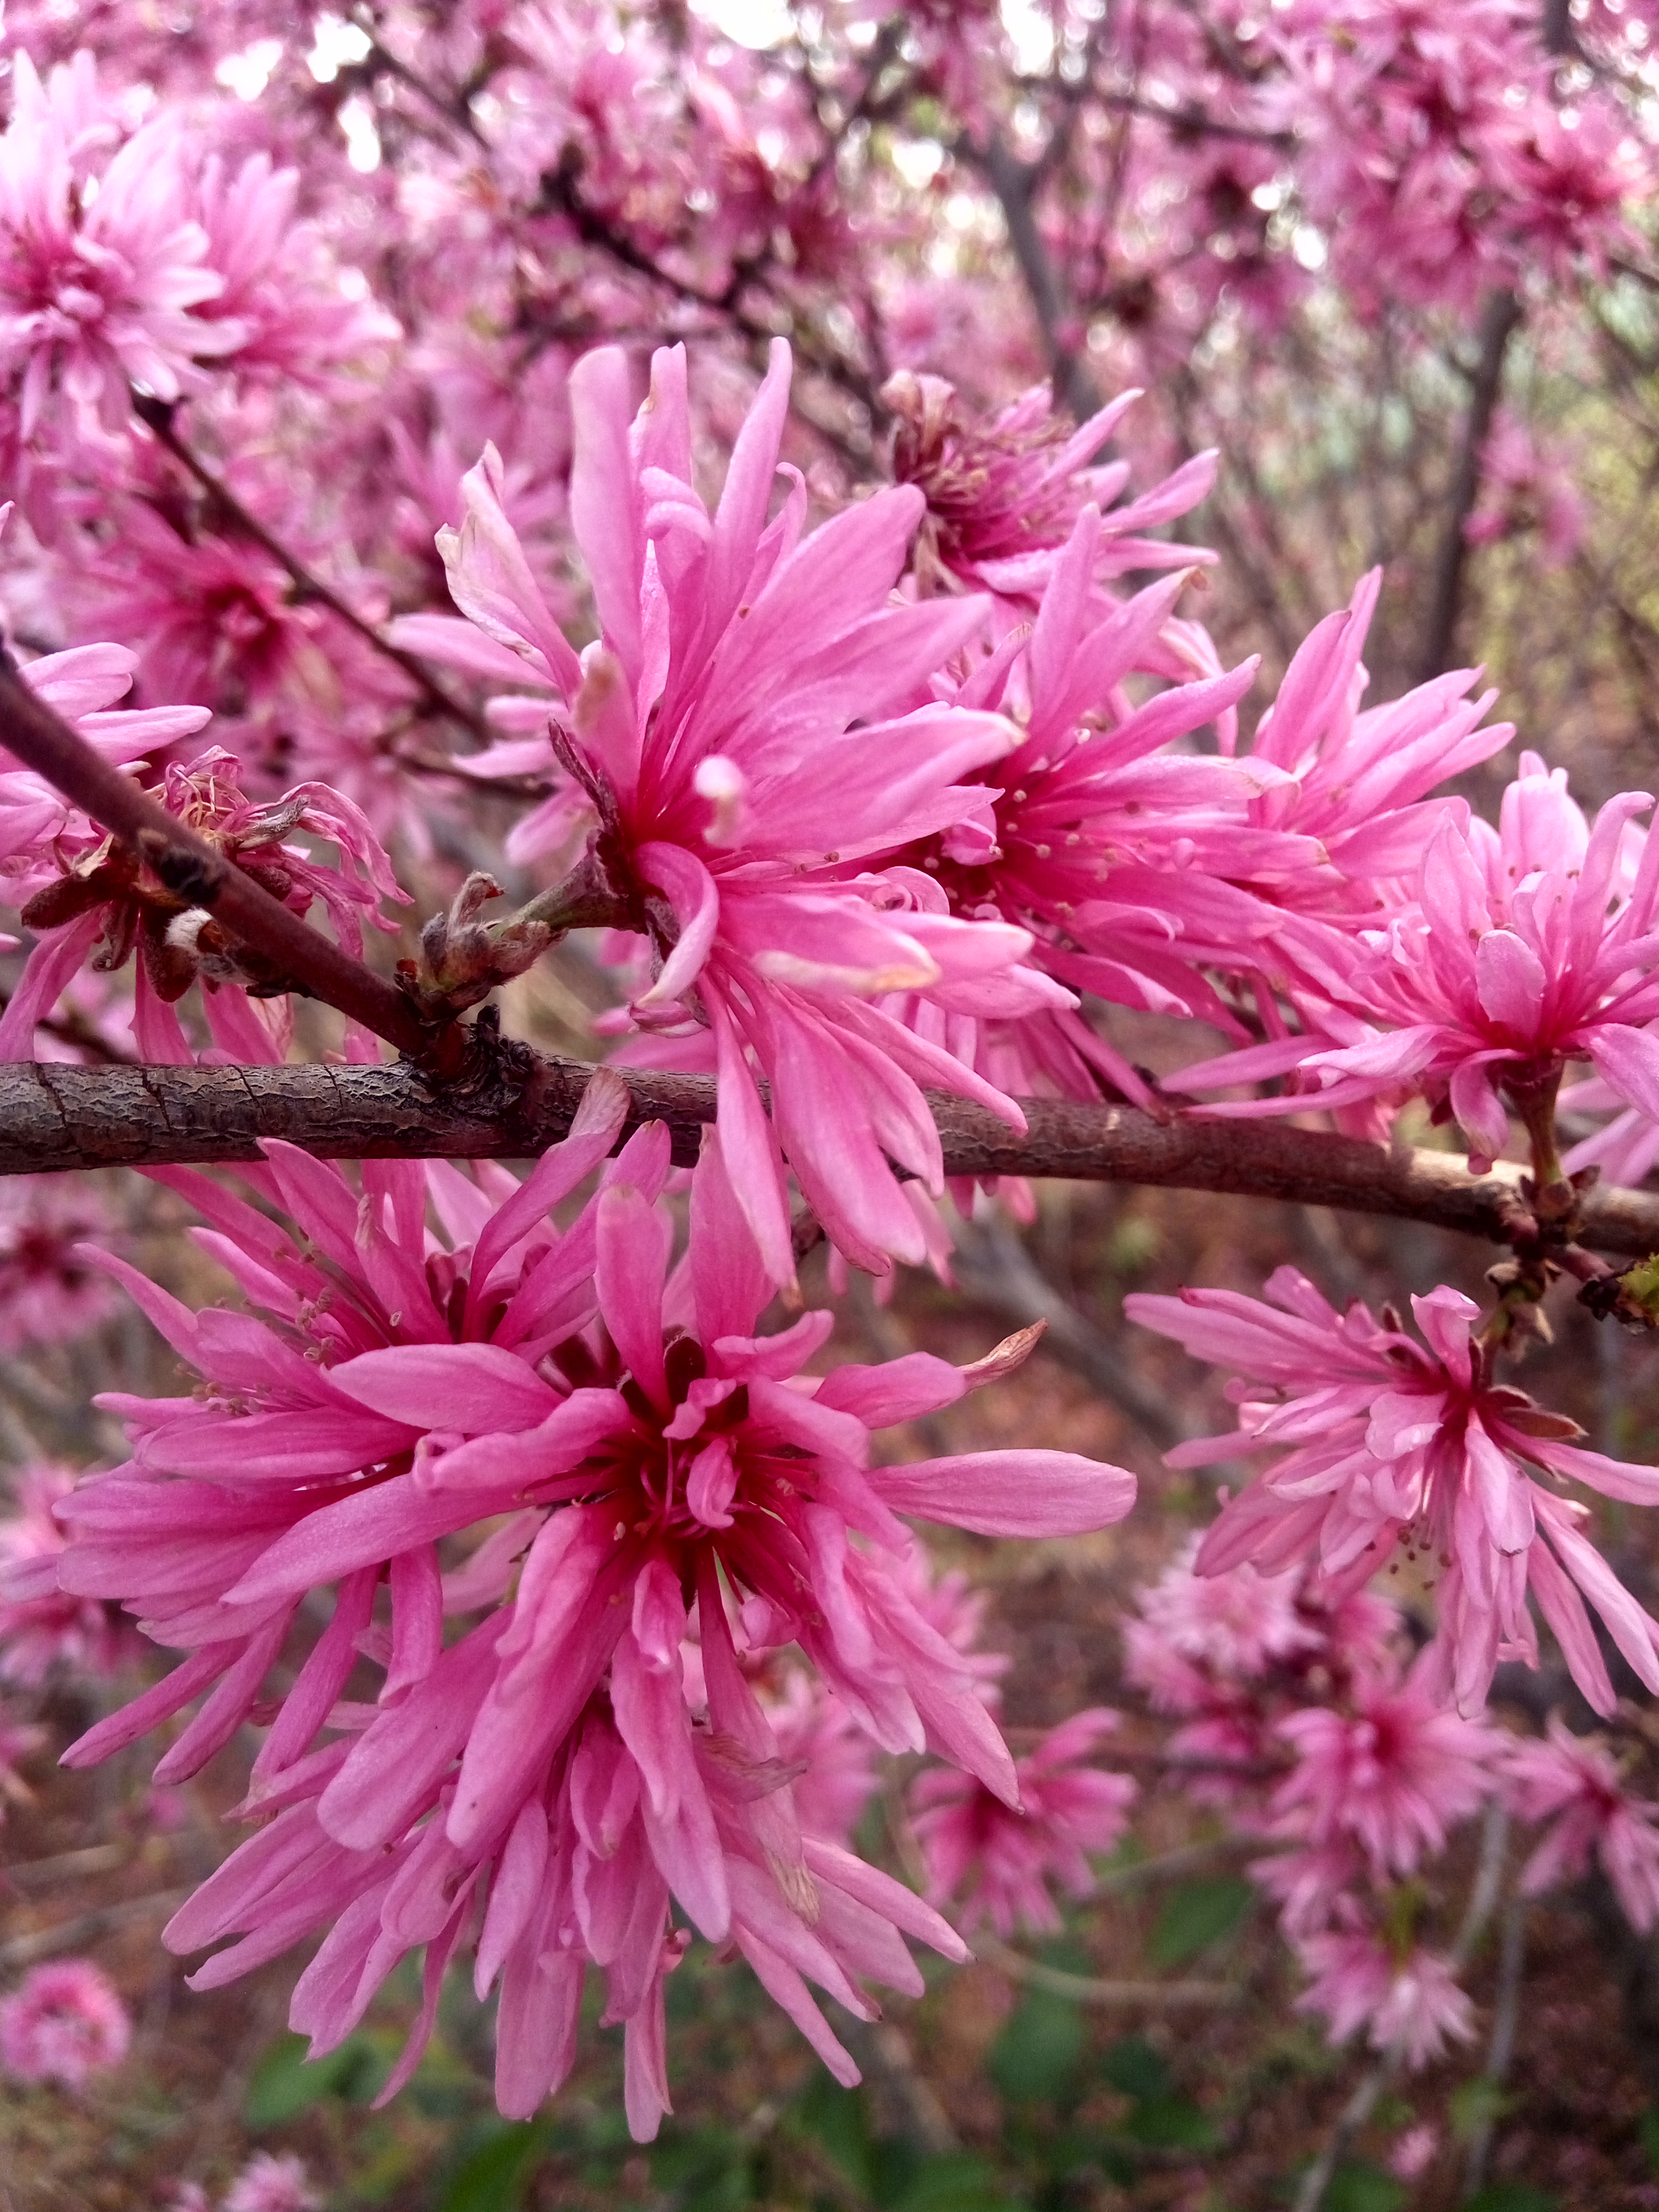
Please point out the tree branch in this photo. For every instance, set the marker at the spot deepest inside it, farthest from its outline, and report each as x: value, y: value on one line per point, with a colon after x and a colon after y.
x: 1498, y: 323
x: 1014, y: 182
x: 506, y: 1101
x: 192, y: 869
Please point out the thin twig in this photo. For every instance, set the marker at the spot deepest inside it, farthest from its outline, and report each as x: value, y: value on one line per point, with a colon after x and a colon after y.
x: 1506, y: 2013
x: 1014, y: 183
x: 1498, y: 323
x: 71, y: 1935
x: 1095, y: 1989
x: 995, y: 1271
x: 67, y: 1866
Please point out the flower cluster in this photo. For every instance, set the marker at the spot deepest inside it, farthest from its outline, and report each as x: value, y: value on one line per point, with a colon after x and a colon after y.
x: 63, y: 2023
x: 855, y: 690
x: 1401, y: 1452
x: 623, y: 1499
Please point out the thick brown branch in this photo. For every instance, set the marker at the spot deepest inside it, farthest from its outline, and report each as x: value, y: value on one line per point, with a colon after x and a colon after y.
x: 515, y: 1104
x: 191, y: 867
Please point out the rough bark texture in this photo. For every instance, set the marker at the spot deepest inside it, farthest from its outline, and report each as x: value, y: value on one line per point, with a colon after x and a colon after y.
x: 516, y: 1103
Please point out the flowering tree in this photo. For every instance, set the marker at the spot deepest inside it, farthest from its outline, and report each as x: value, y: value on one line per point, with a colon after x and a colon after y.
x: 487, y: 479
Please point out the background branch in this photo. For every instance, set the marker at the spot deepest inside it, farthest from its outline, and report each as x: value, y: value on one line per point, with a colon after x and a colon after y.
x: 1498, y: 323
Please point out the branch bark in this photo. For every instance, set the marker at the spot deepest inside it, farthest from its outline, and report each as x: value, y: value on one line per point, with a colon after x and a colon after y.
x: 509, y: 1102
x: 1014, y: 182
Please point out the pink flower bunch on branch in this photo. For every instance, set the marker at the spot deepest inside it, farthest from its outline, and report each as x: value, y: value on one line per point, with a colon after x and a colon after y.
x: 653, y: 1480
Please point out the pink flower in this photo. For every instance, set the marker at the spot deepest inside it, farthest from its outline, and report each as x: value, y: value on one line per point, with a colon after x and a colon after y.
x: 1573, y: 1782
x: 998, y: 1860
x: 217, y: 618
x: 268, y: 2184
x: 1390, y: 1445
x: 63, y: 2023
x: 1358, y: 779
x: 97, y: 286
x: 49, y: 1292
x: 1193, y: 1628
x: 656, y: 1473
x: 753, y: 719
x: 42, y: 1627
x: 1392, y: 1776
x: 1413, y: 2152
x: 1410, y: 2004
x: 1527, y: 947
x: 110, y: 902
x: 1003, y: 499
x: 1112, y: 846
x: 1524, y: 488
x: 816, y: 1734
x: 296, y: 317
x: 83, y: 684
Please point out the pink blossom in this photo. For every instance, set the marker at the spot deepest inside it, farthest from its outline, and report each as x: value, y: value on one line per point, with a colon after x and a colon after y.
x: 1413, y: 2152
x: 662, y: 1474
x: 1358, y: 779
x: 1525, y: 488
x: 1573, y: 1782
x: 1394, y: 1775
x: 110, y: 902
x: 1408, y: 2003
x: 296, y: 316
x: 1192, y: 1626
x: 98, y: 288
x: 1393, y: 1446
x: 1112, y: 846
x: 997, y: 1860
x: 272, y: 2183
x: 49, y: 1292
x: 41, y: 1627
x: 753, y: 719
x: 63, y: 2023
x: 83, y: 684
x: 1003, y: 500
x: 817, y: 1734
x: 1527, y: 947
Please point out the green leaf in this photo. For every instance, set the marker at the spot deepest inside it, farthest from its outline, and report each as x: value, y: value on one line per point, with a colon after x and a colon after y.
x: 1511, y: 2196
x: 955, y: 2182
x: 1198, y: 1914
x: 1134, y: 2069
x: 836, y: 2117
x: 1038, y: 2051
x: 1171, y: 2123
x: 1475, y: 2105
x: 287, y: 2084
x: 493, y: 2177
x: 1650, y: 2137
x: 1358, y: 2186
